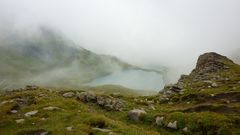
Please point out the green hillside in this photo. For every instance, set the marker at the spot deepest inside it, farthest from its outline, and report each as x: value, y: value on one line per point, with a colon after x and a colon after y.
x: 206, y: 102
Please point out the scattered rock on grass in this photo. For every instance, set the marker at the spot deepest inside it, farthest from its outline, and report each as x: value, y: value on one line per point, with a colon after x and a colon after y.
x: 14, y: 111
x: 159, y: 120
x: 70, y: 128
x: 51, y: 108
x: 185, y: 130
x: 172, y: 125
x: 20, y: 121
x: 102, y: 130
x: 68, y: 95
x: 87, y: 97
x: 29, y: 114
x: 136, y: 114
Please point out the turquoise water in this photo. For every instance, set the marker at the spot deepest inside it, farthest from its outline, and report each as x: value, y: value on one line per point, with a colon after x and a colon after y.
x: 135, y: 79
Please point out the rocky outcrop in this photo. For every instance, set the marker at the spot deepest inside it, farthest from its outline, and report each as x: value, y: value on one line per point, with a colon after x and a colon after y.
x: 211, y: 62
x: 107, y: 102
x: 208, y: 72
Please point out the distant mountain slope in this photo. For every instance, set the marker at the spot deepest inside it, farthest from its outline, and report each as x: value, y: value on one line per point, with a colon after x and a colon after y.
x: 47, y: 58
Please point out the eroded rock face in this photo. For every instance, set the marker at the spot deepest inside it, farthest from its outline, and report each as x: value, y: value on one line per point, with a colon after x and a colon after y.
x: 168, y: 92
x: 136, y: 115
x: 207, y: 72
x: 211, y: 62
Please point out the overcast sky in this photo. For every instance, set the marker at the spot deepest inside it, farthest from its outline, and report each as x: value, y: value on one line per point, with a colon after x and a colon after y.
x: 171, y: 33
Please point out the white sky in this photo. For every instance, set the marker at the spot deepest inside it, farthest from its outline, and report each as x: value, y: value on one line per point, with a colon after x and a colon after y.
x: 171, y: 33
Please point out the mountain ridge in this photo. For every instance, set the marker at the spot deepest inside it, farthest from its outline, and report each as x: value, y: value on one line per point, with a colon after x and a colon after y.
x: 47, y: 58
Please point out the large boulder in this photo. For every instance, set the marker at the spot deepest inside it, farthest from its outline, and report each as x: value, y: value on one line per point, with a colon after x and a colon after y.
x: 137, y: 115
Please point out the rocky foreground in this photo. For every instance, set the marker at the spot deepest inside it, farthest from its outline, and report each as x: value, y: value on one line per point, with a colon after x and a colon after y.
x: 205, y: 102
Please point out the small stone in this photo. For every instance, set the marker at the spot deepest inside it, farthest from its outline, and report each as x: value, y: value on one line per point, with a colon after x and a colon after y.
x: 188, y: 103
x: 185, y: 130
x: 212, y: 95
x: 51, y: 108
x: 102, y: 130
x: 44, y: 133
x: 151, y: 106
x: 69, y: 128
x: 14, y: 111
x: 112, y: 133
x: 20, y: 121
x: 68, y: 95
x: 159, y: 121
x: 214, y: 84
x: 4, y: 102
x: 41, y: 95
x: 43, y: 119
x: 172, y: 125
x: 29, y: 114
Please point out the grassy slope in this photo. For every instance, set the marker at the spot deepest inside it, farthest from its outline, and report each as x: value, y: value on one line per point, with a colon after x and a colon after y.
x: 84, y: 116
x: 81, y: 116
x: 204, y: 110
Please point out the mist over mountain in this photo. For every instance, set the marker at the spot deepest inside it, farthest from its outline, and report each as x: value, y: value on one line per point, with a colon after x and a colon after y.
x: 45, y: 57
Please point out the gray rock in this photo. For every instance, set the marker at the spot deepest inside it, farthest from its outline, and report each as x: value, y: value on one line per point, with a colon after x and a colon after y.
x: 20, y: 121
x: 212, y: 95
x: 172, y: 125
x: 14, y: 111
x: 136, y: 114
x: 159, y: 120
x: 102, y: 130
x: 87, y: 97
x: 44, y: 133
x: 70, y: 128
x: 51, y: 108
x: 29, y: 114
x: 68, y: 95
x: 110, y: 104
x: 185, y: 130
x: 151, y: 107
x: 214, y: 84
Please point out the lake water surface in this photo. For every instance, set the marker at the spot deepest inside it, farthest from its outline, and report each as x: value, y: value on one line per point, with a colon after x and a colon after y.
x: 135, y: 79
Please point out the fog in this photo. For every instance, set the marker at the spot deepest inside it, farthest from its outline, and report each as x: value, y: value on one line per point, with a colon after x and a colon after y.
x: 149, y: 33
